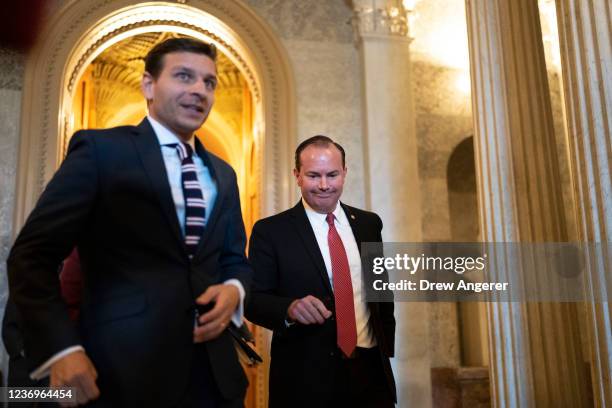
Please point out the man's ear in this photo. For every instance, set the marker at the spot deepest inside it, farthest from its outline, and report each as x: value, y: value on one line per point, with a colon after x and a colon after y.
x: 296, y: 173
x: 147, y: 85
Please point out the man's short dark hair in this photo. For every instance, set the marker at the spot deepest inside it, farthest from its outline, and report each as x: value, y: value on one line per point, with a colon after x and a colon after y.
x: 319, y: 141
x: 154, y: 61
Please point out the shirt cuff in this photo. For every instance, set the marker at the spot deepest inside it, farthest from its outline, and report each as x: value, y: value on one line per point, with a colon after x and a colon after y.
x: 239, y: 313
x: 44, y: 370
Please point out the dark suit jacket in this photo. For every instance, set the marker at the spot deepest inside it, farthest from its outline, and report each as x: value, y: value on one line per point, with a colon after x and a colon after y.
x: 12, y: 331
x: 18, y: 373
x: 288, y: 265
x: 111, y: 198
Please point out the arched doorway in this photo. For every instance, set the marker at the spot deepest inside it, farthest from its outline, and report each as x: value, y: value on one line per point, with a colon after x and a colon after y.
x: 77, y: 33
x: 473, y: 373
x: 463, y: 209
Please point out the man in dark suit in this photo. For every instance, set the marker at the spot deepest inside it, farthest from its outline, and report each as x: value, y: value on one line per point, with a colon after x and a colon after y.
x: 330, y: 348
x: 161, y: 240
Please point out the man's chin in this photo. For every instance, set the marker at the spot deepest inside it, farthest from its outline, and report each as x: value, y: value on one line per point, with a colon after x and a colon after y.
x: 324, y: 206
x: 190, y: 126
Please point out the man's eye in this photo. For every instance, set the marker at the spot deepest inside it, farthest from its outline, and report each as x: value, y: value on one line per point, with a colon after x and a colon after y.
x: 183, y: 76
x: 210, y: 84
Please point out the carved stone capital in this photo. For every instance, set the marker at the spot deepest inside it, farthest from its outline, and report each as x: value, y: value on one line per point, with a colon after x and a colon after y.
x: 381, y: 18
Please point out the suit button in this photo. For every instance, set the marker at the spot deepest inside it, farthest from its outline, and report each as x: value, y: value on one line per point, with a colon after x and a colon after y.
x: 332, y: 354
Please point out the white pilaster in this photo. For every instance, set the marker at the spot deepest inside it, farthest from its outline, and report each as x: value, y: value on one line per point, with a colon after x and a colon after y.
x: 392, y: 184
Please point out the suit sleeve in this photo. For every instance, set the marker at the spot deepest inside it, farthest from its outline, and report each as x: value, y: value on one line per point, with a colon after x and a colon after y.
x: 265, y: 307
x: 11, y: 332
x: 48, y: 236
x: 233, y: 260
x: 386, y: 308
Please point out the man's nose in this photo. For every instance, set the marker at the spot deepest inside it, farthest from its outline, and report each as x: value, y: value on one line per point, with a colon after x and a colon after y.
x: 199, y: 88
x: 323, y: 184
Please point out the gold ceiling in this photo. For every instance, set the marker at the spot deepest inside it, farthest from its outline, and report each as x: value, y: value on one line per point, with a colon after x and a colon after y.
x: 117, y: 71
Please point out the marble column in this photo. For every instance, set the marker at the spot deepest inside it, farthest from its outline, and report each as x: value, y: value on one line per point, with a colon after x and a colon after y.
x: 392, y: 179
x: 586, y: 58
x: 534, y: 347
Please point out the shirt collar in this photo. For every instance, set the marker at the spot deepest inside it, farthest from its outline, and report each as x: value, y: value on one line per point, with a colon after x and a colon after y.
x: 165, y: 135
x: 322, y: 218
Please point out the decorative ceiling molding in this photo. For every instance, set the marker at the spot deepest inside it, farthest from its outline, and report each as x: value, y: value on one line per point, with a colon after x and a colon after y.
x: 117, y: 74
x: 96, y: 46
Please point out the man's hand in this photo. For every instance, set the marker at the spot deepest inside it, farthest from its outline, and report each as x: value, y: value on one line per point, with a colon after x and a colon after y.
x: 308, y: 310
x: 213, y: 322
x: 76, y: 370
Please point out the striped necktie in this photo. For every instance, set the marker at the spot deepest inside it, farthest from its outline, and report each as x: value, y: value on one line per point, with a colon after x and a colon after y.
x: 195, y: 205
x: 343, y: 290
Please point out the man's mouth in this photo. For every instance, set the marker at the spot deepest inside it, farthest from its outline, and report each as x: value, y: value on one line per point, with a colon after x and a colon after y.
x: 193, y: 107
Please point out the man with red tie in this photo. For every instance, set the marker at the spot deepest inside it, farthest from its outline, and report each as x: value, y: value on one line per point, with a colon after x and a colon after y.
x: 330, y: 348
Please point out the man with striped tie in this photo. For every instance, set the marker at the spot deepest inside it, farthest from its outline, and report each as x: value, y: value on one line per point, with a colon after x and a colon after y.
x: 157, y: 222
x: 330, y: 348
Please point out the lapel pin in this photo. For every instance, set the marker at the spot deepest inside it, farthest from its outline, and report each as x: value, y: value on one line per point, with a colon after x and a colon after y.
x: 352, y: 216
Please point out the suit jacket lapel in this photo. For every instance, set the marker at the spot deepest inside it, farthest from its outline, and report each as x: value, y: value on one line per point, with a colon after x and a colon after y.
x: 359, y: 234
x: 306, y: 233
x: 150, y: 153
x: 354, y: 223
x: 221, y: 192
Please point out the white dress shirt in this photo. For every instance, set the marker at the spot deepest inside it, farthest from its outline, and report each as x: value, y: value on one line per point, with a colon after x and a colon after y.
x: 365, y: 337
x: 173, y: 169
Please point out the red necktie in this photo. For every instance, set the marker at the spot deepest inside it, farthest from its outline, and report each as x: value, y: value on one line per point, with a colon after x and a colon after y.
x: 343, y: 291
